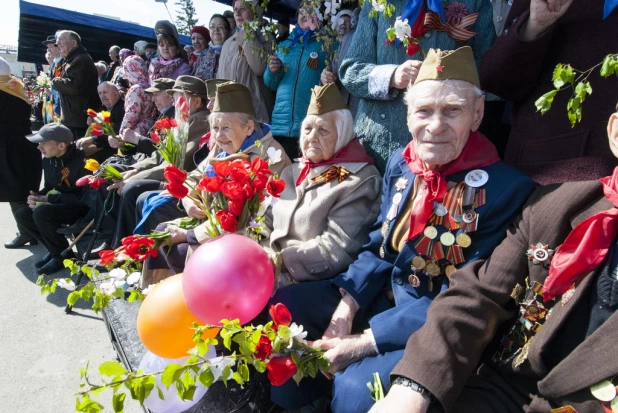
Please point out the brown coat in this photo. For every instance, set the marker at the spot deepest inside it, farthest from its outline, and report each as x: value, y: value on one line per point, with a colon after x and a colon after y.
x: 463, y: 320
x: 546, y: 147
x: 320, y: 228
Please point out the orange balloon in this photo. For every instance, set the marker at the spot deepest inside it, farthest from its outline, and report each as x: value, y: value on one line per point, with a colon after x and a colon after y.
x: 164, y: 322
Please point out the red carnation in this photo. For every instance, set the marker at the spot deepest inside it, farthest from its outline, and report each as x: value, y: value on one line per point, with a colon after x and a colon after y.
x: 235, y: 207
x: 177, y: 190
x: 275, y: 187
x: 141, y: 248
x: 210, y: 184
x: 107, y: 256
x: 175, y: 175
x: 263, y: 349
x: 227, y: 220
x: 155, y: 137
x: 280, y: 314
x: 280, y: 370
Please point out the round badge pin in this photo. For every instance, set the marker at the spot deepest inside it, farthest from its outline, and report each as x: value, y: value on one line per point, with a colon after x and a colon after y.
x: 414, y: 281
x: 476, y: 178
x: 397, y: 198
x: 541, y: 255
x: 447, y: 239
x: 313, y: 55
x: 430, y: 232
x: 440, y: 210
x: 469, y: 216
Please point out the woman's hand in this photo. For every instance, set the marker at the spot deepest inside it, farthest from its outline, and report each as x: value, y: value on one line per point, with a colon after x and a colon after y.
x: 405, y: 74
x: 178, y: 235
x: 83, y: 141
x: 543, y: 13
x: 274, y: 65
x: 327, y: 77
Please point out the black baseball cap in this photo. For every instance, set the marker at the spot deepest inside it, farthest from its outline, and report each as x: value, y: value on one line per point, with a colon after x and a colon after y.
x: 50, y: 39
x: 52, y: 132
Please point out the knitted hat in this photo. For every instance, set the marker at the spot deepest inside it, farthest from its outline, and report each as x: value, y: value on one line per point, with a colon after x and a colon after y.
x: 191, y: 85
x: 232, y: 97
x: 211, y: 86
x: 325, y: 99
x: 164, y: 26
x: 456, y: 64
x: 203, y: 31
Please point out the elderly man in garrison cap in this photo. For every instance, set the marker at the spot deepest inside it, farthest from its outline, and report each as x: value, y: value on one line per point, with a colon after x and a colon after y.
x: 447, y: 200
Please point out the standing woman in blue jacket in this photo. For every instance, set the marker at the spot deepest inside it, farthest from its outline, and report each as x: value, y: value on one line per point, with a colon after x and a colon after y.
x: 292, y: 72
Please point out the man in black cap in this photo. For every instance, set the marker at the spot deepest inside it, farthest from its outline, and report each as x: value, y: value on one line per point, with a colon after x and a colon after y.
x: 283, y: 29
x: 59, y: 201
x: 52, y: 48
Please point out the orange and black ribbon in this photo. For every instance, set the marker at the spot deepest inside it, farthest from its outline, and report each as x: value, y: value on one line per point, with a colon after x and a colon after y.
x: 455, y: 254
x: 480, y: 199
x: 459, y: 32
x: 453, y: 199
x: 65, y: 175
x: 331, y: 173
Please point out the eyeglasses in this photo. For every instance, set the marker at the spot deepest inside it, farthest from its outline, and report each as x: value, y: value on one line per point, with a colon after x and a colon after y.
x: 220, y: 28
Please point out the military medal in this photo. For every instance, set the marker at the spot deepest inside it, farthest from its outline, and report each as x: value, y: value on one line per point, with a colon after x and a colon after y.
x: 476, y: 178
x: 432, y: 269
x: 401, y: 184
x: 463, y: 240
x: 449, y: 270
x: 382, y: 251
x: 469, y: 216
x: 540, y: 254
x: 566, y: 297
x: 430, y: 232
x: 447, y: 239
x: 414, y: 281
x: 418, y: 263
x: 604, y: 391
x: 440, y: 210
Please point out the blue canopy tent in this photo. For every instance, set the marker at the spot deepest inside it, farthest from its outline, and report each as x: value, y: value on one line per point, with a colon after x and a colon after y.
x: 36, y: 22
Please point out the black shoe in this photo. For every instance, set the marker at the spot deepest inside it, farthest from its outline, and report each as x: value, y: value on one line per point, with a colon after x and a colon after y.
x: 95, y: 252
x: 21, y: 240
x: 43, y: 260
x: 76, y: 228
x: 53, y: 266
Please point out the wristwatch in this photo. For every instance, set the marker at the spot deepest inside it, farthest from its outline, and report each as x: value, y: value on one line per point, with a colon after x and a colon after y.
x: 404, y: 381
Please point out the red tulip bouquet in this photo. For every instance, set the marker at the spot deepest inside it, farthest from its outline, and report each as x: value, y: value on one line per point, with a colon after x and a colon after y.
x: 170, y: 135
x: 235, y: 194
x: 101, y: 125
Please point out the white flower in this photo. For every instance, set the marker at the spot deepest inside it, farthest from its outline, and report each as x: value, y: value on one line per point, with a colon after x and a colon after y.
x: 146, y: 290
x: 319, y: 15
x: 297, y: 333
x: 108, y: 287
x: 118, y: 274
x: 402, y: 29
x: 218, y: 364
x: 264, y: 206
x: 66, y: 284
x: 122, y: 257
x: 377, y: 6
x: 134, y: 278
x: 331, y: 7
x: 274, y: 155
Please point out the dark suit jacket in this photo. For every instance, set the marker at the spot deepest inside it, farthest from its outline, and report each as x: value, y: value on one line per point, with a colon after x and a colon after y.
x: 465, y: 318
x: 546, y: 147
x: 507, y: 191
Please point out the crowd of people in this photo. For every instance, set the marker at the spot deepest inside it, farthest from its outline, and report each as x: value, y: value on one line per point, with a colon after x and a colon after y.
x: 433, y: 229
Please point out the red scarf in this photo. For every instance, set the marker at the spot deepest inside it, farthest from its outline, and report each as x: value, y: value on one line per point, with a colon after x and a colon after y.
x: 352, y: 152
x: 586, y: 246
x: 477, y: 153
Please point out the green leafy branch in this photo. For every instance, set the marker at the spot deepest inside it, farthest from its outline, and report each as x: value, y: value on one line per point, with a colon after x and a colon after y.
x: 384, y: 7
x: 198, y: 368
x: 566, y: 77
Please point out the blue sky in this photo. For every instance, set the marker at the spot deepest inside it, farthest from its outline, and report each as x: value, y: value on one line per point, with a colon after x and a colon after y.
x: 144, y: 12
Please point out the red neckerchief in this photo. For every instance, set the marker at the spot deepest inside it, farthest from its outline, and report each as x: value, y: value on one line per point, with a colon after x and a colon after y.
x: 477, y: 153
x: 352, y: 152
x: 585, y: 248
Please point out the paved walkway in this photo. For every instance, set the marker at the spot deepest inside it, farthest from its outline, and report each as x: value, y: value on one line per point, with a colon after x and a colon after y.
x: 42, y: 348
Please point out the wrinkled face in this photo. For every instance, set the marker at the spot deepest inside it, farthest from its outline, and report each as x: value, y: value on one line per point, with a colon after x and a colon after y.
x: 218, y: 31
x: 65, y: 44
x: 53, y: 50
x: 52, y: 149
x: 344, y: 27
x: 440, y: 119
x: 167, y: 51
x: 612, y: 133
x: 242, y: 12
x: 318, y: 137
x: 228, y: 133
x: 162, y: 100
x: 109, y: 95
x: 199, y: 42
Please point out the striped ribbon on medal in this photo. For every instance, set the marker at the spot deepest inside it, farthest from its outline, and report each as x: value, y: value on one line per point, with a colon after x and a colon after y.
x: 481, y: 198
x: 435, y: 219
x: 331, y: 173
x: 455, y: 254
x: 459, y: 32
x: 438, y: 251
x: 453, y: 199
x: 472, y: 226
x: 424, y: 246
x: 451, y: 224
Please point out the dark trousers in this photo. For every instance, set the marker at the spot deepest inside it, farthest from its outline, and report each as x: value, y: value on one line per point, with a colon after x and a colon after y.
x: 42, y: 223
x: 127, y: 204
x: 290, y: 146
x: 163, y: 213
x: 15, y: 206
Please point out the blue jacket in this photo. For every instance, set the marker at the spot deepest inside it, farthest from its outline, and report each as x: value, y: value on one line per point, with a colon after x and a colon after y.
x: 507, y: 191
x: 369, y: 64
x: 293, y: 85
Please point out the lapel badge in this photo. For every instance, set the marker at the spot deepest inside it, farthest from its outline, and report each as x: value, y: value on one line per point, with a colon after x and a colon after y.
x: 540, y: 254
x: 401, y: 184
x: 566, y: 297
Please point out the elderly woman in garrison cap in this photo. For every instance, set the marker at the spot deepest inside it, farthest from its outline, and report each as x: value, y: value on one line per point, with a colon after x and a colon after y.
x: 237, y: 133
x: 447, y: 200
x: 331, y: 197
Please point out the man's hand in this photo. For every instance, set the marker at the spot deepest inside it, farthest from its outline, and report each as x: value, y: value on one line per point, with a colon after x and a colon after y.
x: 130, y: 136
x: 83, y: 141
x: 341, y: 352
x: 118, y: 186
x: 274, y: 65
x: 341, y: 321
x: 327, y: 77
x: 113, y: 143
x: 401, y: 399
x: 34, y: 198
x: 192, y: 210
x: 178, y: 235
x: 405, y: 74
x: 543, y: 13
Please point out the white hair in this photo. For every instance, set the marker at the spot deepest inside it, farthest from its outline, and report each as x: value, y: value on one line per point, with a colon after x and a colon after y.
x: 457, y: 84
x: 5, y: 68
x: 140, y: 45
x: 239, y: 117
x: 344, y: 123
x: 99, y: 65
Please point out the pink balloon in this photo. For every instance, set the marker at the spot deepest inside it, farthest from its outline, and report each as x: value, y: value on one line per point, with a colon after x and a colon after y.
x: 228, y: 277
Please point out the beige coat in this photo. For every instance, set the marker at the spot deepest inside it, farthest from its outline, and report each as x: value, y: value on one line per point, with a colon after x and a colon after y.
x: 320, y: 228
x: 153, y: 166
x: 253, y: 151
x: 242, y: 62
